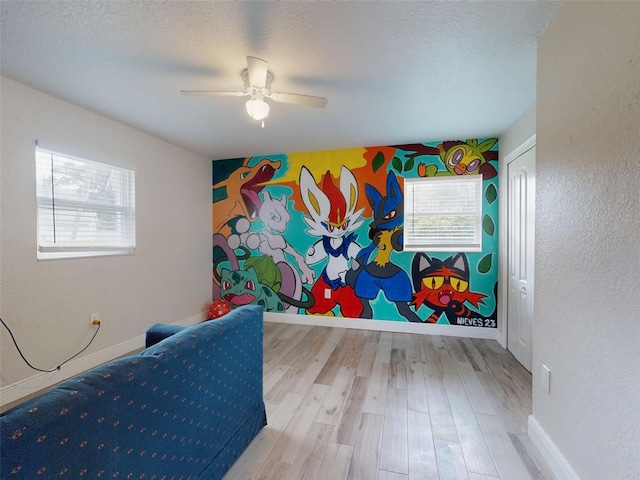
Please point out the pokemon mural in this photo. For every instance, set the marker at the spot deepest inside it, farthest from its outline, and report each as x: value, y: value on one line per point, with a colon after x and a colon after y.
x: 321, y: 233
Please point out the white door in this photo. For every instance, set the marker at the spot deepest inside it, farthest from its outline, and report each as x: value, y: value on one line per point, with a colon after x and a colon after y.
x: 520, y: 255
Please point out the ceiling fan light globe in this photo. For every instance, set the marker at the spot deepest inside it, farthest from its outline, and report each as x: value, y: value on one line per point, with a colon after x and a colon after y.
x: 257, y: 109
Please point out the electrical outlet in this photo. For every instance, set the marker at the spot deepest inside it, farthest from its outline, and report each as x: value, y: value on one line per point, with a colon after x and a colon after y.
x: 546, y: 378
x: 95, y: 319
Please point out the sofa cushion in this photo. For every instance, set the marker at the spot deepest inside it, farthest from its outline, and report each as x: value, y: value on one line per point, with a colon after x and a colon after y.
x: 187, y: 405
x: 159, y: 331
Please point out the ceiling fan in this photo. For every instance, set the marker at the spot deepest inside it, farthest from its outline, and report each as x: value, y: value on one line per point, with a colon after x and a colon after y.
x: 257, y: 84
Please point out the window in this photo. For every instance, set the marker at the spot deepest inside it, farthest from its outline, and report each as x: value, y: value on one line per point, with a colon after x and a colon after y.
x: 85, y: 208
x: 443, y: 214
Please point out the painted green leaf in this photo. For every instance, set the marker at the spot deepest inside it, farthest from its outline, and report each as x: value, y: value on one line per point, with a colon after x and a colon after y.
x: 485, y: 264
x: 487, y: 144
x: 396, y: 163
x: 378, y: 160
x: 488, y: 225
x: 491, y: 194
x: 408, y: 166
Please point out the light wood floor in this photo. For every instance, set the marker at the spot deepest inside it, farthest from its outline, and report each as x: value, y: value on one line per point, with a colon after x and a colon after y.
x: 363, y: 405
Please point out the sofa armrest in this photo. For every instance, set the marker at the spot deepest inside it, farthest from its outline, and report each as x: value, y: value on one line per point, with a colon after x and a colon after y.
x: 159, y: 331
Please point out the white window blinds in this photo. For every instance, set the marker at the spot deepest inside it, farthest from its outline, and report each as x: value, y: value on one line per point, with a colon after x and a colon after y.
x: 443, y: 214
x: 85, y: 208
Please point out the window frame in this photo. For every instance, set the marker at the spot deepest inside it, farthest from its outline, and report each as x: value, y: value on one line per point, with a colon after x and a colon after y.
x: 473, y: 246
x: 125, y: 206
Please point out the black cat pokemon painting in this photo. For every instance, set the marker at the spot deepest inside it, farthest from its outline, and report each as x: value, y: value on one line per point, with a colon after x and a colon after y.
x: 443, y: 286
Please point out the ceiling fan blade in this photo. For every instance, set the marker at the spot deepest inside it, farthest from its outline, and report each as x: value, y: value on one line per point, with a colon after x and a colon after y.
x: 307, y: 100
x: 212, y: 93
x: 257, y: 71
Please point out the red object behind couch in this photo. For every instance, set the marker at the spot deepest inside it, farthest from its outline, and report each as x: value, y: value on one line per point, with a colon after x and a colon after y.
x: 219, y: 308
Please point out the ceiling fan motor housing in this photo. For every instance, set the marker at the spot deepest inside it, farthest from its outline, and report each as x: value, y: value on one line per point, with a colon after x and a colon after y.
x: 254, y: 90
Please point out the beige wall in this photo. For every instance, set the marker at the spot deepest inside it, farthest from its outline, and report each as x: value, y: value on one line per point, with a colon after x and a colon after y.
x: 47, y: 304
x: 587, y: 306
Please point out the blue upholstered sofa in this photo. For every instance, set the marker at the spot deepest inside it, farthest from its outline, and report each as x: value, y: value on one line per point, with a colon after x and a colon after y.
x: 184, y: 408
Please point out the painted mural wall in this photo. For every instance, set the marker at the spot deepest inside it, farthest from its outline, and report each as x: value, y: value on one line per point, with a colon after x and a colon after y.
x: 321, y: 233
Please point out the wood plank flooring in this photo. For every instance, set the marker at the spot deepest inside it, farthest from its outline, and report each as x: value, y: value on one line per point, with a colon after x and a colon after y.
x: 346, y: 404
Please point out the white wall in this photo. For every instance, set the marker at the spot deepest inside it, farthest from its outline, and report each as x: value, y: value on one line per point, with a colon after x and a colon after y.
x: 47, y: 303
x: 521, y: 130
x: 587, y: 306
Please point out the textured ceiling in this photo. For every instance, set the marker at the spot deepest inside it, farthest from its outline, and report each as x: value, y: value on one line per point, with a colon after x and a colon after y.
x: 394, y: 72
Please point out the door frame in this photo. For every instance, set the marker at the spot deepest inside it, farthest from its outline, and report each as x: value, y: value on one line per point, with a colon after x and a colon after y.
x: 503, y: 219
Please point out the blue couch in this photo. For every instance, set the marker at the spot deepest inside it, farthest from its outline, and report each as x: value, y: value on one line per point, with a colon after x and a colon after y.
x: 184, y: 408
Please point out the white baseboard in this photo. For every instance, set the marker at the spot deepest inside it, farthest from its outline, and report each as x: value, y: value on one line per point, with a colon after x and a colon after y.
x: 383, y: 325
x: 193, y: 319
x: 16, y: 391
x: 554, y: 458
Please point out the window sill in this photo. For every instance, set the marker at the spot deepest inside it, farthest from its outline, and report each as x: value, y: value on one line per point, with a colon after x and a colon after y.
x: 57, y: 255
